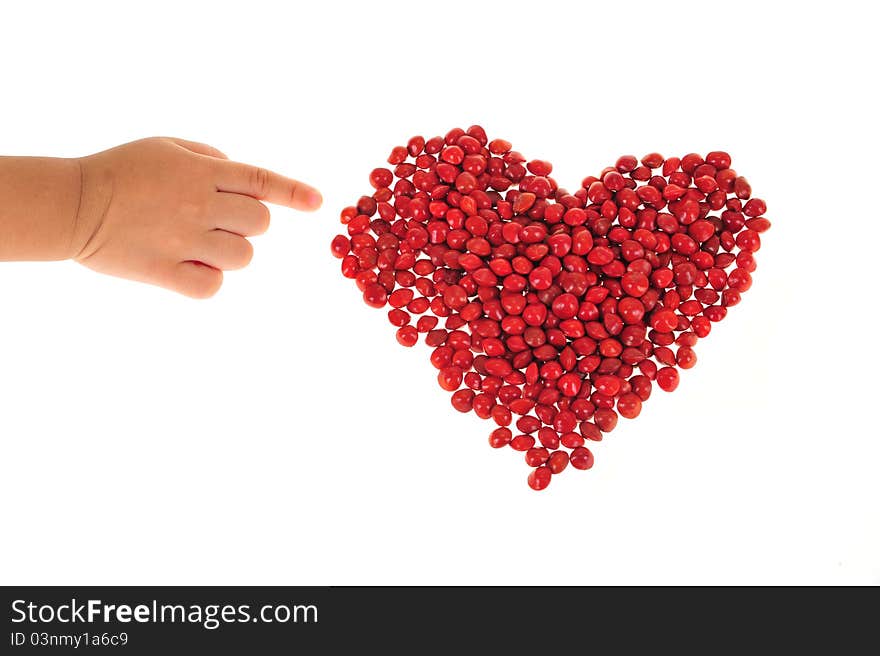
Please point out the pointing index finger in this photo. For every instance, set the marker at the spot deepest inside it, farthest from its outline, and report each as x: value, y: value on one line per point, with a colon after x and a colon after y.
x: 267, y: 185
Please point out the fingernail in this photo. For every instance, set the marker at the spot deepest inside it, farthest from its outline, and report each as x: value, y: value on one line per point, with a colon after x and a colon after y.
x: 314, y: 199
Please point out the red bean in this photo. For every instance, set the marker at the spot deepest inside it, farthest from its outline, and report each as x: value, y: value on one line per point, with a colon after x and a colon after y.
x: 569, y: 384
x: 759, y: 224
x: 500, y: 437
x: 381, y: 178
x: 581, y: 458
x: 686, y: 358
x: 499, y: 146
x: 739, y: 280
x: 635, y: 283
x: 557, y: 462
x: 375, y: 295
x: 522, y: 442
x: 607, y: 385
x: 565, y: 306
x: 667, y: 379
x: 664, y: 320
x: 407, y: 335
x: 565, y: 421
x: 463, y: 400
x: 629, y: 405
x: 600, y: 255
x: 631, y: 310
x: 528, y: 424
x: 606, y: 419
x: 537, y: 456
x: 398, y: 318
x: 742, y: 188
x: 340, y: 246
x: 539, y: 478
x: 548, y: 437
x: 449, y: 378
x: 626, y: 163
x: 749, y: 241
x: 501, y: 415
x: 719, y: 159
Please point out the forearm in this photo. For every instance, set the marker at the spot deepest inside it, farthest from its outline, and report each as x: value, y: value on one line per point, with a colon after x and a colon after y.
x: 39, y: 201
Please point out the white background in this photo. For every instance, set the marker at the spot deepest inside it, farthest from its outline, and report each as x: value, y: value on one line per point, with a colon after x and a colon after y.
x: 277, y: 433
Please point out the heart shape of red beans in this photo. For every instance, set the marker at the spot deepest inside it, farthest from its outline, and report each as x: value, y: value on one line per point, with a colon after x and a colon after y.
x: 560, y: 310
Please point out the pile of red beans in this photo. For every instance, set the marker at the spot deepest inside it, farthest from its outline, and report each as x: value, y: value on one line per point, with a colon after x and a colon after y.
x: 560, y: 310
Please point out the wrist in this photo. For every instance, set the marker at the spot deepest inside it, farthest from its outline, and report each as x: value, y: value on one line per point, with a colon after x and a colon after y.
x: 38, y: 207
x: 95, y: 193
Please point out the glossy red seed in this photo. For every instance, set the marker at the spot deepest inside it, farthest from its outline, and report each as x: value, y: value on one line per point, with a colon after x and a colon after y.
x: 400, y: 298
x: 631, y: 310
x: 537, y: 456
x: 759, y: 224
x: 600, y: 255
x: 686, y: 358
x: 606, y: 419
x: 483, y: 404
x: 381, y: 178
x: 667, y: 379
x: 719, y: 159
x: 569, y: 384
x: 523, y: 202
x: 501, y: 415
x: 565, y: 306
x: 581, y: 458
x: 539, y: 167
x: 375, y: 295
x: 754, y: 207
x: 340, y: 246
x: 539, y: 479
x: 742, y: 188
x: 557, y: 462
x: 548, y: 437
x: 626, y: 163
x: 565, y: 421
x: 739, y: 280
x: 607, y: 385
x: 449, y: 378
x: 629, y: 405
x: 499, y: 146
x: 641, y: 386
x: 652, y: 160
x: 540, y: 278
x: 500, y: 437
x: 664, y: 320
x: 463, y: 400
x: 571, y: 440
x: 407, y: 335
x: 522, y: 442
x: 748, y: 241
x: 528, y: 424
x: 635, y: 283
x: 455, y: 297
x: 398, y: 318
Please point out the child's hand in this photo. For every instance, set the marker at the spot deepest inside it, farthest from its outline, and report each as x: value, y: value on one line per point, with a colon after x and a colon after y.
x: 175, y: 213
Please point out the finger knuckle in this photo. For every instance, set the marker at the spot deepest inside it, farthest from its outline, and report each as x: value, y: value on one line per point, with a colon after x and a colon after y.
x: 293, y: 194
x: 259, y: 180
